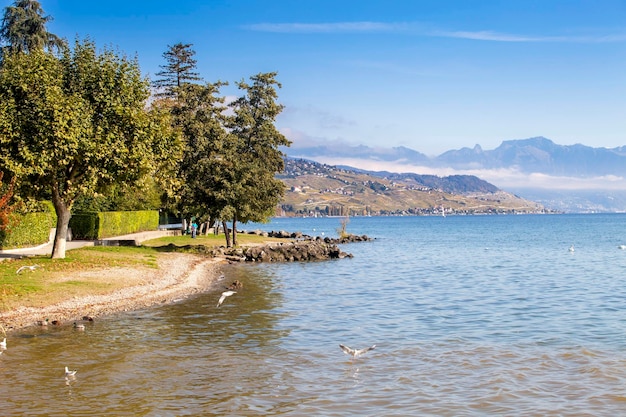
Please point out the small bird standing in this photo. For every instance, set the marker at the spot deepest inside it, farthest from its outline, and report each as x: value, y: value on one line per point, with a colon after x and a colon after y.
x: 69, y: 373
x: 3, y: 344
x: 355, y: 353
x: 224, y: 295
x: 79, y: 326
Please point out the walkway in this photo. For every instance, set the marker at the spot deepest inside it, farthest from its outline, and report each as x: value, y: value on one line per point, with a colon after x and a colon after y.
x: 46, y: 248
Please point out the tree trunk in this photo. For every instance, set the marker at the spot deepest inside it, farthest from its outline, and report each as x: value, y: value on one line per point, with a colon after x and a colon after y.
x: 63, y: 220
x: 235, y: 230
x: 227, y: 234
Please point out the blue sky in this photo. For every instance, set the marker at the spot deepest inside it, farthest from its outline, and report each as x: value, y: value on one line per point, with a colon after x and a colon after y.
x: 428, y: 75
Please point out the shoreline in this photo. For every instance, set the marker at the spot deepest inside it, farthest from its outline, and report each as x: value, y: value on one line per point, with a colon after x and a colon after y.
x: 178, y: 276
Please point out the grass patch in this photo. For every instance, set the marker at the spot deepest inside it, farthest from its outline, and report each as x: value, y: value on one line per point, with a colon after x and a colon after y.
x: 210, y: 240
x: 54, y: 280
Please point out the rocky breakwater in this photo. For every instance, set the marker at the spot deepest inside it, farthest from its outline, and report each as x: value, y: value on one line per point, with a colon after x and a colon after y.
x: 302, y: 249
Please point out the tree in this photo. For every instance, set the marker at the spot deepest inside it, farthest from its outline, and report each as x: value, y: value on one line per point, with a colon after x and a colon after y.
x: 73, y: 125
x: 179, y: 70
x: 254, y: 191
x: 199, y: 114
x: 24, y: 29
x: 5, y: 197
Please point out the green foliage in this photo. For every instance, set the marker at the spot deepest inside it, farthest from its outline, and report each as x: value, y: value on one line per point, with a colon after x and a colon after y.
x: 119, y: 223
x: 199, y: 114
x: 255, y: 192
x: 179, y: 70
x: 93, y: 225
x: 24, y: 28
x: 85, y: 225
x: 73, y: 126
x: 26, y: 230
x: 145, y: 196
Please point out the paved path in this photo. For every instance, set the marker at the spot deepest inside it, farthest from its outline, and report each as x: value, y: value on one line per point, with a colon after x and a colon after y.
x: 46, y: 248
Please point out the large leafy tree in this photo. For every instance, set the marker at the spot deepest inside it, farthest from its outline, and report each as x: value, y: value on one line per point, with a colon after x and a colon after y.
x: 256, y: 158
x: 72, y: 126
x: 24, y: 29
x: 178, y: 70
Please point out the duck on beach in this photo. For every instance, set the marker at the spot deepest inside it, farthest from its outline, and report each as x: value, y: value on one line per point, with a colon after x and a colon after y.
x: 236, y: 285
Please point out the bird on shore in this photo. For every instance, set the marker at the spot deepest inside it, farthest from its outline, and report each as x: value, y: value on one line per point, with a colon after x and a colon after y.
x: 224, y: 295
x: 3, y: 344
x: 79, y: 326
x: 69, y: 373
x: 236, y: 285
x: 31, y: 268
x: 355, y: 353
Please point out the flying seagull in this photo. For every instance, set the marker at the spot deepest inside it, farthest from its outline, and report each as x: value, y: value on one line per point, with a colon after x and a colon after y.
x: 355, y: 353
x: 224, y: 295
x: 69, y: 373
x: 25, y: 267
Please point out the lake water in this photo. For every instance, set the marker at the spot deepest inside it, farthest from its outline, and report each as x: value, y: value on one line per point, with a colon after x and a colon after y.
x: 471, y: 316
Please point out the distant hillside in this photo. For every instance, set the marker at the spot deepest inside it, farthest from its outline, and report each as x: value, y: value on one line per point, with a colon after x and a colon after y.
x: 320, y: 189
x: 570, y: 178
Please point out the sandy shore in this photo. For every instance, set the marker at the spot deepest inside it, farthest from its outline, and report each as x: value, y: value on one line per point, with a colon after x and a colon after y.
x: 178, y: 275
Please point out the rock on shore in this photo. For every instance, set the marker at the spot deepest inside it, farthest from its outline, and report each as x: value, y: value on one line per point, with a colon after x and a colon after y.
x: 316, y: 250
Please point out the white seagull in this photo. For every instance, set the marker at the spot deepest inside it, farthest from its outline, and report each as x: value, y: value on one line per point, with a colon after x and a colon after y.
x: 571, y: 248
x: 31, y: 268
x: 355, y: 353
x: 3, y: 344
x: 69, y: 373
x: 224, y: 295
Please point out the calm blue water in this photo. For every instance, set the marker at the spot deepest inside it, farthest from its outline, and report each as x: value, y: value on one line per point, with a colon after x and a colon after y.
x: 483, y: 315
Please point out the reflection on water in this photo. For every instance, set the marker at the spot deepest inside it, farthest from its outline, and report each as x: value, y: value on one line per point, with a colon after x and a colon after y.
x: 466, y: 322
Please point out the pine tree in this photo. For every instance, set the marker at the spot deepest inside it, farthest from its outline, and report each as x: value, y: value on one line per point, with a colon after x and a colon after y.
x: 179, y: 70
x: 24, y: 29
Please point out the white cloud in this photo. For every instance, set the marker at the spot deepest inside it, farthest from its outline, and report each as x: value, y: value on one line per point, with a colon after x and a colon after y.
x: 507, y: 37
x: 420, y: 30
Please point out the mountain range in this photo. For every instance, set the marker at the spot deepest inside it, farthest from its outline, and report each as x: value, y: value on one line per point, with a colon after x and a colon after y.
x: 571, y: 178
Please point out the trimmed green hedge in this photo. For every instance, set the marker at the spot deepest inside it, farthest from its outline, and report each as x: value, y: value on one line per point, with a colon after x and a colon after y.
x: 84, y: 225
x: 27, y: 230
x: 92, y: 225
